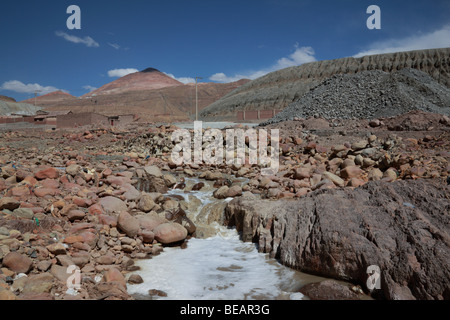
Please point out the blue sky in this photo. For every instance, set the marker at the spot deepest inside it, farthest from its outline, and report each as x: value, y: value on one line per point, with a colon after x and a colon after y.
x: 218, y: 40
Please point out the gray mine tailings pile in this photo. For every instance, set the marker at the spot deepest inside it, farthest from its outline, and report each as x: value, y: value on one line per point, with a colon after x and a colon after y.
x: 369, y: 95
x: 278, y: 89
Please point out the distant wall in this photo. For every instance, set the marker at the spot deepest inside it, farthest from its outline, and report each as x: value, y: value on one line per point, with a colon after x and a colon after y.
x: 256, y: 114
x: 80, y: 119
x: 89, y: 118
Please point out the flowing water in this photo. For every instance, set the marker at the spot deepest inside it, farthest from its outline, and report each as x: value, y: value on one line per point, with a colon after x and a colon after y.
x: 218, y: 266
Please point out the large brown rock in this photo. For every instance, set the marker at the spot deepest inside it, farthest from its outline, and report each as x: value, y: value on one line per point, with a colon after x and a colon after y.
x: 17, y: 262
x: 9, y: 203
x: 49, y: 173
x: 114, y: 275
x: 328, y: 290
x: 402, y: 227
x: 112, y: 204
x: 146, y: 203
x: 168, y: 233
x: 128, y: 224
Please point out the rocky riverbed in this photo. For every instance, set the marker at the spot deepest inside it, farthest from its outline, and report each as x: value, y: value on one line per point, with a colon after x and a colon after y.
x: 360, y: 193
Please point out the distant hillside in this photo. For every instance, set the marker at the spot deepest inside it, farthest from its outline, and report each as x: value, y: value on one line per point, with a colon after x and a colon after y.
x: 147, y: 79
x: 7, y: 99
x: 52, y: 97
x: 278, y: 89
x: 173, y: 103
x: 9, y: 108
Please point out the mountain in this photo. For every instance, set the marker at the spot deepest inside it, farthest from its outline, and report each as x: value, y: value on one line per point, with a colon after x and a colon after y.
x: 7, y: 99
x: 52, y: 97
x: 147, y: 79
x: 171, y: 103
x: 278, y: 89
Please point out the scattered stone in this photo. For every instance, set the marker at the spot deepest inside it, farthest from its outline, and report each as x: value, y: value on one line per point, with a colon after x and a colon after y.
x: 9, y: 203
x: 128, y: 224
x: 17, y: 262
x: 168, y: 233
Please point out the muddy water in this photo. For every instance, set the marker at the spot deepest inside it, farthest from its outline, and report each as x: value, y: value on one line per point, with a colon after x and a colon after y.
x: 218, y: 265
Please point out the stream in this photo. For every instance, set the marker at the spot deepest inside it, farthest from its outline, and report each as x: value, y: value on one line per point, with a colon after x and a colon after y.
x: 216, y: 265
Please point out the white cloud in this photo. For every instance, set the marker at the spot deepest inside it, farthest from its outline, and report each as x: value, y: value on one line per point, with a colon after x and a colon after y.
x: 20, y: 87
x: 121, y: 72
x: 184, y: 80
x: 299, y: 56
x: 88, y: 41
x: 114, y: 45
x: 436, y: 39
x: 89, y: 88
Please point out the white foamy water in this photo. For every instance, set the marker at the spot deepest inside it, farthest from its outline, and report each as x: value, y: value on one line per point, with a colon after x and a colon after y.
x: 219, y: 267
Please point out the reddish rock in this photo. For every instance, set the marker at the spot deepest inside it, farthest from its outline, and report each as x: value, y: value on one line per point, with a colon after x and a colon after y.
x: 42, y: 192
x: 73, y: 239
x: 81, y: 202
x: 75, y: 215
x: 30, y: 180
x: 9, y: 203
x: 351, y: 172
x: 128, y: 224
x: 95, y: 209
x: 17, y: 262
x: 49, y: 173
x: 302, y: 173
x: 150, y: 222
x: 50, y: 183
x: 112, y: 204
x: 234, y: 191
x: 147, y: 236
x: 114, y: 275
x: 107, y: 220
x: 356, y: 182
x: 167, y: 233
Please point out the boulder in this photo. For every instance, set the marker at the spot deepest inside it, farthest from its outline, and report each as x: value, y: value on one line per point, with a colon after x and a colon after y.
x: 150, y: 221
x: 73, y: 169
x: 328, y: 290
x: 17, y: 262
x: 234, y: 191
x: 153, y: 171
x: 340, y: 233
x: 351, y: 172
x: 112, y: 204
x: 114, y: 275
x: 9, y: 203
x: 128, y: 224
x: 24, y: 213
x: 38, y: 283
x: 49, y: 173
x: 169, y: 232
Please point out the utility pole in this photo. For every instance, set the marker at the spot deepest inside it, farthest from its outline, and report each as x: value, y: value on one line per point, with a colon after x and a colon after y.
x: 196, y: 98
x: 35, y: 94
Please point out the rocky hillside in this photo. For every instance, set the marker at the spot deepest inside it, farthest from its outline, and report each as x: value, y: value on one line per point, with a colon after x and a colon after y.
x: 370, y: 95
x: 278, y: 89
x: 9, y: 108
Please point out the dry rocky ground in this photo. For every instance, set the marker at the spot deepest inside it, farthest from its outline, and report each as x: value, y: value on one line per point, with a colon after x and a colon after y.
x: 96, y: 198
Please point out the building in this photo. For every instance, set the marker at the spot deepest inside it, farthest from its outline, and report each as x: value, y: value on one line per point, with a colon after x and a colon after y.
x: 74, y: 120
